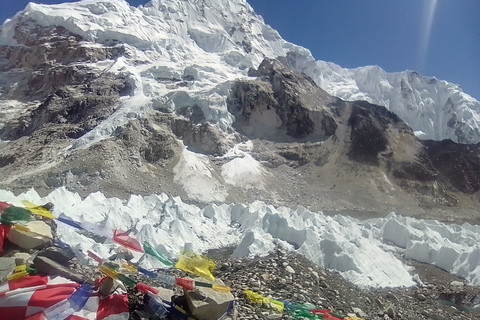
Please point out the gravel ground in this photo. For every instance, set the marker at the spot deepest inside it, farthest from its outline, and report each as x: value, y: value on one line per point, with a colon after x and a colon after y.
x: 272, y: 276
x: 287, y: 276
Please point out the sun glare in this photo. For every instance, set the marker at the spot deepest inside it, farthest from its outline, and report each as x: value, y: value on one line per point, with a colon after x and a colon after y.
x: 426, y: 30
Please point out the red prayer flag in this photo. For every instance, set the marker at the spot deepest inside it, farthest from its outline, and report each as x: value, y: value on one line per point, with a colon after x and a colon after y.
x: 186, y: 284
x: 328, y: 316
x: 122, y: 238
x: 4, y: 229
x: 26, y: 298
x: 142, y: 287
x: 4, y: 205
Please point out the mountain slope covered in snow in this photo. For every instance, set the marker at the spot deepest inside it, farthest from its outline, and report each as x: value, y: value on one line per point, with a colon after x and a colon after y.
x: 219, y: 40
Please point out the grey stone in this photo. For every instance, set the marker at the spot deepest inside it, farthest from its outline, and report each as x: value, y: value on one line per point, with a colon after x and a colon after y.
x: 433, y: 315
x: 39, y: 234
x: 60, y: 255
x: 206, y: 303
x: 165, y: 294
x: 109, y: 285
x: 7, y: 265
x: 359, y: 312
x: 456, y: 284
x: 391, y: 296
x: 21, y: 258
x: 44, y: 265
x: 390, y: 311
x: 289, y: 270
x: 421, y: 297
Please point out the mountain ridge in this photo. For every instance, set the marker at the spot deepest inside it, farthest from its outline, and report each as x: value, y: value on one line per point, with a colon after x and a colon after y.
x: 153, y: 112
x: 435, y: 109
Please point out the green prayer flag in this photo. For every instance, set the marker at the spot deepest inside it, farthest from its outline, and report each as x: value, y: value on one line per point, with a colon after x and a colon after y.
x: 160, y: 257
x: 13, y: 214
x: 129, y: 282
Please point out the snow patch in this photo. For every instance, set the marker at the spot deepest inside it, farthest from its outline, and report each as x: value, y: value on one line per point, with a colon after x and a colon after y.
x: 195, y: 174
x: 244, y: 172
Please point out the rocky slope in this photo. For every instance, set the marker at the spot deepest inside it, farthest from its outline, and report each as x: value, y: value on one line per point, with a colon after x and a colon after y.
x: 439, y: 296
x: 352, y: 152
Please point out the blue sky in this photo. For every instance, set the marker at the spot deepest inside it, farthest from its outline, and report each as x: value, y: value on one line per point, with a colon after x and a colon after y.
x: 438, y: 38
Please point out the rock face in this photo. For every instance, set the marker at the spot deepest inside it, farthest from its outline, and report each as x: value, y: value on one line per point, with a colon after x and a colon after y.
x: 57, y: 254
x: 202, y: 138
x: 44, y: 265
x: 457, y: 163
x: 281, y: 105
x: 368, y: 131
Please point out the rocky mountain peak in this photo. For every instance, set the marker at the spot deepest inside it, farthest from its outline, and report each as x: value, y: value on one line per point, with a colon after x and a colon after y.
x: 281, y: 104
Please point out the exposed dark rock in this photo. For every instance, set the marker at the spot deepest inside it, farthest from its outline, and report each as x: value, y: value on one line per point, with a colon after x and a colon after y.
x: 44, y: 265
x: 204, y: 138
x: 59, y: 255
x: 76, y: 109
x: 368, y: 135
x: 153, y: 142
x: 193, y: 113
x: 459, y: 164
x: 280, y: 105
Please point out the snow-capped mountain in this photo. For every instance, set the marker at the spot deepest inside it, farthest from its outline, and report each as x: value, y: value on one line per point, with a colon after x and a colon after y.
x: 203, y: 100
x: 214, y: 41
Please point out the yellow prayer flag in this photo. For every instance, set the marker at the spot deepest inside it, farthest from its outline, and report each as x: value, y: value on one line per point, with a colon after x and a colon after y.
x: 196, y: 264
x: 129, y: 267
x: 21, y: 228
x: 267, y: 302
x: 40, y: 211
x: 17, y: 275
x: 20, y: 268
x: 221, y: 288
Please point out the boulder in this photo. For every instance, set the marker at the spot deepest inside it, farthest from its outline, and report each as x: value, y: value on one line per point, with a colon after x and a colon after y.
x: 208, y: 304
x: 21, y: 258
x: 457, y: 284
x: 59, y: 255
x: 359, y: 312
x: 44, y: 265
x: 39, y: 234
x: 289, y: 269
x: 165, y: 294
x: 7, y: 265
x: 109, y: 286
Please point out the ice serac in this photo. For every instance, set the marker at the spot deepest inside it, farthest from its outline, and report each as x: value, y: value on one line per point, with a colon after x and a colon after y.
x: 364, y: 252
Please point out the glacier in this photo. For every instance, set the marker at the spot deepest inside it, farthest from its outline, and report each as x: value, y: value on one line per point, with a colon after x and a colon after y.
x: 213, y: 42
x: 368, y: 253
